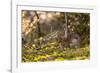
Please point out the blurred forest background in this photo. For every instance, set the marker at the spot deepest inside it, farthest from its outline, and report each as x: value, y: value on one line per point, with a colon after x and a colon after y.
x: 55, y: 36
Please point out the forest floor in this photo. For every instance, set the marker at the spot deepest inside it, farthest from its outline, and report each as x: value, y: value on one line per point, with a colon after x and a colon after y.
x: 52, y: 52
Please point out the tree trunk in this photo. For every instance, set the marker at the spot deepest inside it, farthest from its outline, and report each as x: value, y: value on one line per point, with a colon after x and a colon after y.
x: 66, y: 28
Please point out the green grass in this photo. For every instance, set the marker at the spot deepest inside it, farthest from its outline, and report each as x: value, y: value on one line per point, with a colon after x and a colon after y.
x: 52, y: 52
